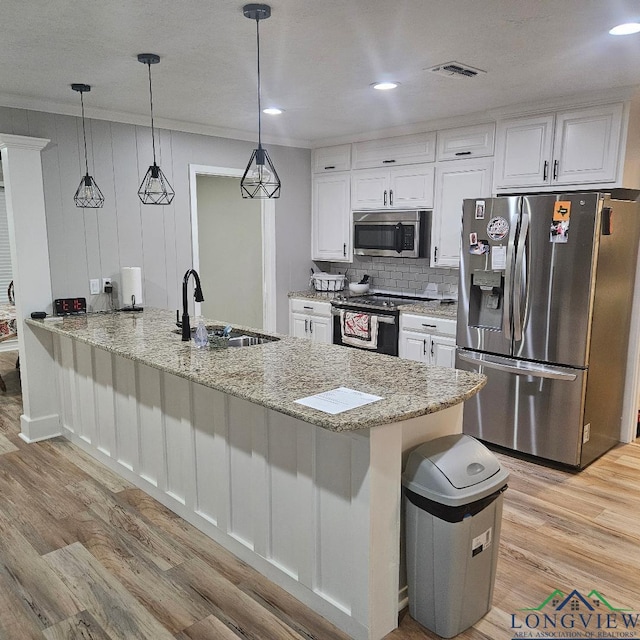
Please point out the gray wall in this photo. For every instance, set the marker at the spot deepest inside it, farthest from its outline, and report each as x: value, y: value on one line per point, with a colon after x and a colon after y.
x: 231, y: 279
x: 96, y: 243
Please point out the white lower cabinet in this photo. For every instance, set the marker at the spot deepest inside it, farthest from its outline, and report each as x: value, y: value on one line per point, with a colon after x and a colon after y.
x: 427, y: 339
x: 310, y: 319
x: 443, y: 351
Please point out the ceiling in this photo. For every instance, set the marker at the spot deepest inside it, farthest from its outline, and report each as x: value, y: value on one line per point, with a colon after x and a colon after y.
x: 318, y: 60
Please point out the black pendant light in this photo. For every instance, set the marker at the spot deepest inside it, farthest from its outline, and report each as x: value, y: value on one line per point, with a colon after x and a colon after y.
x: 155, y: 188
x: 260, y: 179
x: 88, y: 194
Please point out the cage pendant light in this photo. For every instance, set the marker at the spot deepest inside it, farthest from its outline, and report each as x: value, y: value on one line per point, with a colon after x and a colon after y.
x: 155, y: 188
x: 260, y: 179
x: 88, y: 194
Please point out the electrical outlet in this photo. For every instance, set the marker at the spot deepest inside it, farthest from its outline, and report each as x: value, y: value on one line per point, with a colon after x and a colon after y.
x: 106, y: 282
x: 94, y: 286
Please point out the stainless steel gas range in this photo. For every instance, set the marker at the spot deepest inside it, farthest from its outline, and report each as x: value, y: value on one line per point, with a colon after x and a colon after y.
x: 384, y: 307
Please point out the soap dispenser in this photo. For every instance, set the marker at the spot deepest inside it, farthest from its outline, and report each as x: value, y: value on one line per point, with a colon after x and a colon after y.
x: 201, y: 337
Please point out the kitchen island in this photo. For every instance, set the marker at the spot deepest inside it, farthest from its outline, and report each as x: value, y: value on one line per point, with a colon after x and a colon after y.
x: 310, y: 499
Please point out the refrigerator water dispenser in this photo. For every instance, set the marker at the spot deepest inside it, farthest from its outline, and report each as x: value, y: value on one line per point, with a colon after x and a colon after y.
x: 485, y: 299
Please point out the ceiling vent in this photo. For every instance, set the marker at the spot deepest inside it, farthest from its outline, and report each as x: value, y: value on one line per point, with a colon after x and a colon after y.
x: 455, y: 70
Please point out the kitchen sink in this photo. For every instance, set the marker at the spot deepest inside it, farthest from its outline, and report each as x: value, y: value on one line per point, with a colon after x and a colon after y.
x: 237, y: 338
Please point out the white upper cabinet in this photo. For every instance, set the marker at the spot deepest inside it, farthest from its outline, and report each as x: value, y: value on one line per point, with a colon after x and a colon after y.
x: 524, y: 151
x: 411, y: 187
x: 331, y: 217
x: 328, y: 159
x: 573, y: 147
x: 455, y: 181
x: 369, y: 189
x: 412, y: 149
x: 406, y: 187
x: 466, y: 142
x: 586, y: 145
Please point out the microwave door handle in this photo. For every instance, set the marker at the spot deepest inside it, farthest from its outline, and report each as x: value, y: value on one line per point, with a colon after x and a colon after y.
x: 398, y: 237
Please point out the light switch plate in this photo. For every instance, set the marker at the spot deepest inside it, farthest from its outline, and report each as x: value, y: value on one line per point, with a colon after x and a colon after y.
x: 94, y: 286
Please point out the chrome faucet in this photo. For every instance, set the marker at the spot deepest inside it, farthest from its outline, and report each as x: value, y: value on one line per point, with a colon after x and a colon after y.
x: 197, y: 294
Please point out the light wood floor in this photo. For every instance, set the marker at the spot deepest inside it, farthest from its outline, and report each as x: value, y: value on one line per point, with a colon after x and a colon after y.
x: 83, y: 554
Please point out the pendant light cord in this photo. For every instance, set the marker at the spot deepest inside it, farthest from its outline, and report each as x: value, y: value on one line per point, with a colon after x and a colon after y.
x: 259, y: 110
x: 153, y: 135
x: 84, y: 135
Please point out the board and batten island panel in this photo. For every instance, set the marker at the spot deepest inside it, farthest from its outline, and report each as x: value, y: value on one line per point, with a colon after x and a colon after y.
x: 312, y: 502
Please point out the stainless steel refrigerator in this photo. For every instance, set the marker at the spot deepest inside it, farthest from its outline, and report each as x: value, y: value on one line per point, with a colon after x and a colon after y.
x: 545, y: 296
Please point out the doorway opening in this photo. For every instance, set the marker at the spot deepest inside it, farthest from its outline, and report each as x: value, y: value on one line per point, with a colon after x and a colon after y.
x: 233, y: 243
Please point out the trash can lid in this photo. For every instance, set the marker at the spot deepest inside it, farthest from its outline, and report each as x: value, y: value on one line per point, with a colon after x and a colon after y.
x: 453, y: 470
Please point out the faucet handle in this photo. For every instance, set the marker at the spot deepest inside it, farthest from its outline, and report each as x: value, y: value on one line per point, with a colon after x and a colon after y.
x: 178, y: 323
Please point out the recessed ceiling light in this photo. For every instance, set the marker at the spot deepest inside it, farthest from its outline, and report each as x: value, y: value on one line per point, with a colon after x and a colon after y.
x: 625, y: 29
x: 273, y: 111
x: 385, y: 86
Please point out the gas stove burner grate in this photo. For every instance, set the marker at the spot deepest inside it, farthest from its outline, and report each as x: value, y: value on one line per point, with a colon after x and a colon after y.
x: 377, y: 301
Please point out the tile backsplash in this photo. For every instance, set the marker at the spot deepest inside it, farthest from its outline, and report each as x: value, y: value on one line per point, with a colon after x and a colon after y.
x: 402, y: 275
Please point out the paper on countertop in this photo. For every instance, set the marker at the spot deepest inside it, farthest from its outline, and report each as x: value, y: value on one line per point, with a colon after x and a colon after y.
x: 338, y: 400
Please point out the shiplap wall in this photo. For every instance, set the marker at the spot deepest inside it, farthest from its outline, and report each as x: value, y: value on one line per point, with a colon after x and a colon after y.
x: 86, y: 244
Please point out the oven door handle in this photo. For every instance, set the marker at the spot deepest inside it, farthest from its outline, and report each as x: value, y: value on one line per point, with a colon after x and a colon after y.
x: 381, y: 319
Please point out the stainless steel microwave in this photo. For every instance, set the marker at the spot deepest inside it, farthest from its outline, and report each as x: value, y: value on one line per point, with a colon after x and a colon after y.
x: 400, y: 234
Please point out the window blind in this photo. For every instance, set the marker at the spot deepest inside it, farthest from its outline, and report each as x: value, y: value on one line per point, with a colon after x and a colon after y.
x: 5, y: 254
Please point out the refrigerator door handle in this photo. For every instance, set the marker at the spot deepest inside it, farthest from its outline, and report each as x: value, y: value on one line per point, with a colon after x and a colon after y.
x: 520, y: 277
x: 507, y: 320
x: 520, y: 369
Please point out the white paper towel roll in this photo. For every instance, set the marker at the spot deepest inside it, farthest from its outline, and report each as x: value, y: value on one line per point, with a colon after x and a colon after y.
x: 131, y: 288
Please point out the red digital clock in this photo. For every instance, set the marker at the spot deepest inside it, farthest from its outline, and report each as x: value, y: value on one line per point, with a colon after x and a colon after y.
x: 70, y: 306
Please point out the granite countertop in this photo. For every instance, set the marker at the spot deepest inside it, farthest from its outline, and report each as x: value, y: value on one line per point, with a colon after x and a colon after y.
x: 430, y: 308
x: 275, y: 374
x: 310, y: 294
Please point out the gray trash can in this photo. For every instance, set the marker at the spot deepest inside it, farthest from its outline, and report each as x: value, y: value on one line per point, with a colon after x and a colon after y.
x: 453, y: 510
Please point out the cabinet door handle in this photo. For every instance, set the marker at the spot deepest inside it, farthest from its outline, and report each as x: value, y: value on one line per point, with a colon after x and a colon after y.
x: 331, y: 166
x: 545, y: 170
x: 305, y: 307
x: 385, y: 197
x: 391, y: 197
x: 431, y: 326
x: 432, y: 348
x: 463, y: 153
x: 555, y: 169
x: 435, y: 254
x: 387, y: 161
x: 424, y: 347
x: 306, y: 326
x: 311, y: 326
x: 344, y: 249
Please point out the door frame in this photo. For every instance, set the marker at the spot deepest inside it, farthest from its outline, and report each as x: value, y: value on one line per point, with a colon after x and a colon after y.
x: 268, y: 218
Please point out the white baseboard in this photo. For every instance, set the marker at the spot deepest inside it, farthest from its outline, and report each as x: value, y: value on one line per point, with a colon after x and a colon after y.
x: 36, y: 429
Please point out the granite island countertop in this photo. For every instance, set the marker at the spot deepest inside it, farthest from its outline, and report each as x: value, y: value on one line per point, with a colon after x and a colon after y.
x: 277, y: 373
